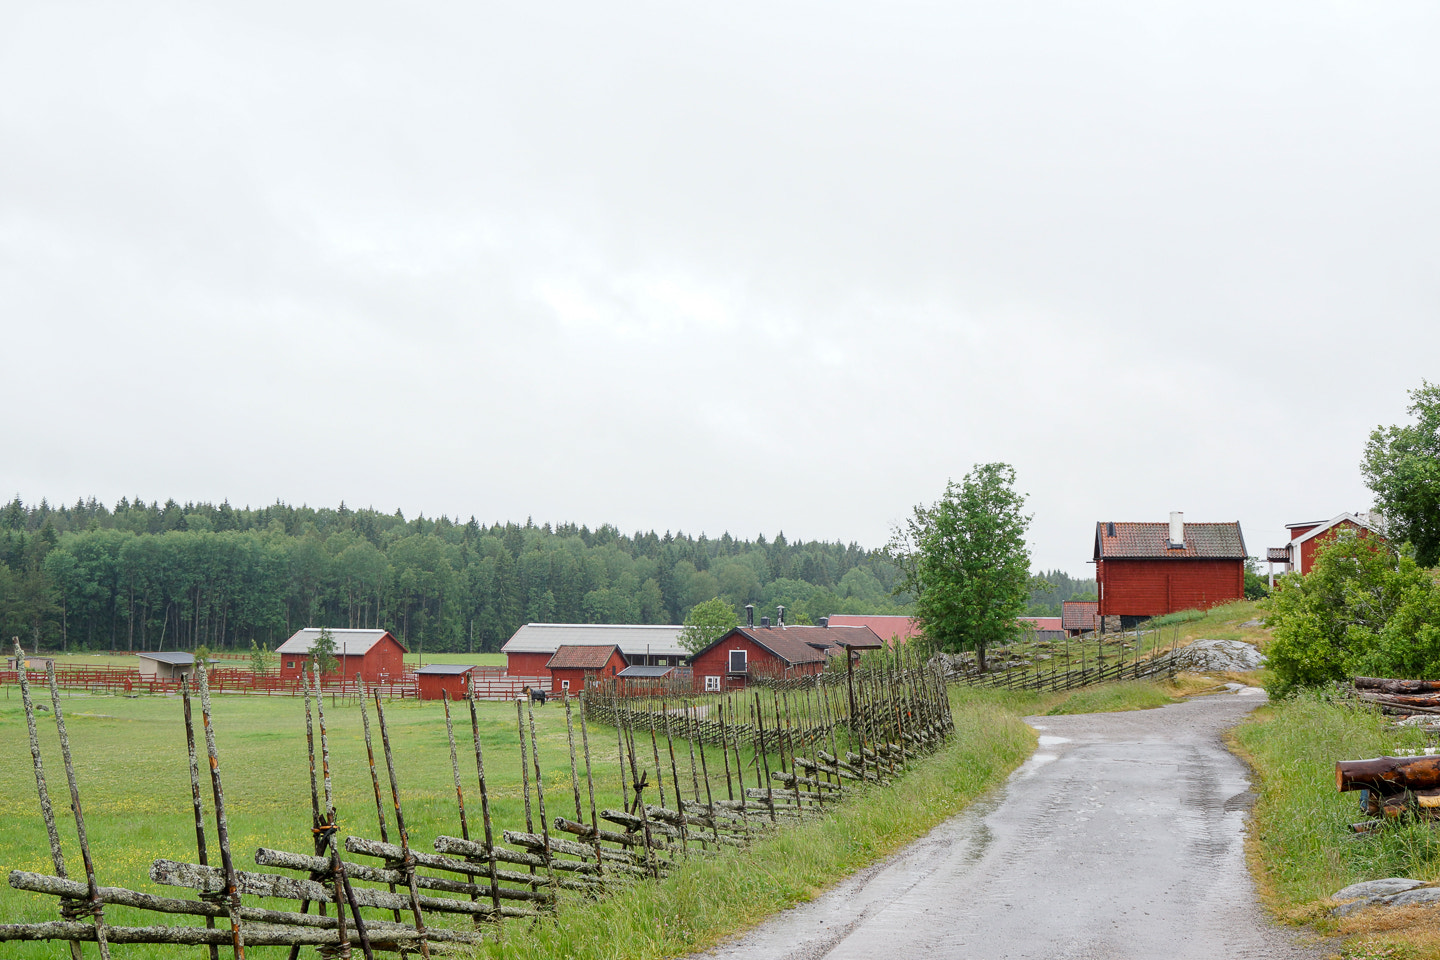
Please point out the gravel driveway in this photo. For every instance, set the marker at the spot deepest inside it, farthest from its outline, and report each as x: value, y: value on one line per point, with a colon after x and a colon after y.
x: 1122, y: 837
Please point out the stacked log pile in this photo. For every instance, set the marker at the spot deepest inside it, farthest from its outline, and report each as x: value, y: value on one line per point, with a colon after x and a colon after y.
x: 1400, y: 698
x: 807, y: 745
x: 1392, y: 788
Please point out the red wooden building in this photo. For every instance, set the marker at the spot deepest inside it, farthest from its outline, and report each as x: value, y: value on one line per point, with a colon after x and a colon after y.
x: 532, y: 646
x: 374, y: 654
x: 1306, y: 537
x: 1078, y: 616
x: 570, y: 665
x: 780, y: 651
x: 1150, y: 569
x: 436, y: 679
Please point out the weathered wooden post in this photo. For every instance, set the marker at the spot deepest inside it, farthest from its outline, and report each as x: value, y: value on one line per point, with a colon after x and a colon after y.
x: 374, y: 776
x: 222, y: 825
x: 484, y: 799
x: 57, y: 856
x: 200, y: 851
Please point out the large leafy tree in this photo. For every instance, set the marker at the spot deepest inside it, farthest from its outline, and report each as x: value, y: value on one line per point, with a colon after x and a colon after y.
x: 706, y: 623
x: 1402, y: 467
x: 1362, y: 609
x: 965, y: 560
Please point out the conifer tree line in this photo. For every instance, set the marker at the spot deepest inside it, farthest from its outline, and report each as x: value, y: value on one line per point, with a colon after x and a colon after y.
x: 146, y: 576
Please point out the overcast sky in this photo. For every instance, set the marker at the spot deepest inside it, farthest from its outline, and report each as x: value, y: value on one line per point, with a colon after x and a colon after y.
x: 742, y: 266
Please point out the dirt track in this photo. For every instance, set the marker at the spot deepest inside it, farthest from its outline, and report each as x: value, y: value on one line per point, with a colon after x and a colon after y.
x: 1122, y: 837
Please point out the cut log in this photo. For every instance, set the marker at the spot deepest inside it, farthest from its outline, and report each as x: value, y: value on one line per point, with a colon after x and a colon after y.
x: 1385, y: 685
x: 1387, y: 774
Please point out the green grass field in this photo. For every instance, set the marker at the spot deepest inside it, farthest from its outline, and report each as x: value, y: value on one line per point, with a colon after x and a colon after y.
x: 132, y: 767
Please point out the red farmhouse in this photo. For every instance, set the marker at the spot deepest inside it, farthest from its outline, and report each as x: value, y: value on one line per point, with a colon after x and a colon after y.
x: 746, y: 652
x: 1149, y: 569
x: 374, y: 654
x: 572, y: 664
x: 1305, y: 539
x: 436, y: 679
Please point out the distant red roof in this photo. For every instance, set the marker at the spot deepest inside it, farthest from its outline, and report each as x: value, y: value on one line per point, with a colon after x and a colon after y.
x: 887, y: 628
x: 1042, y: 623
x: 1079, y: 614
x: 574, y: 657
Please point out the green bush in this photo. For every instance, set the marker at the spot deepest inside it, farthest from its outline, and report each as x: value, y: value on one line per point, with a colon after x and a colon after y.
x: 1363, y: 609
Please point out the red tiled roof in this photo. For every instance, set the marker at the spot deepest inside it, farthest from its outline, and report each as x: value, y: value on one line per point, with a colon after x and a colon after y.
x: 1206, y: 541
x: 1079, y: 614
x: 887, y: 628
x: 589, y: 657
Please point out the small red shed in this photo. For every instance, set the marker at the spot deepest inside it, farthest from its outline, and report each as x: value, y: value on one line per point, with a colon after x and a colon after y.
x: 1078, y: 616
x: 780, y: 651
x: 374, y: 654
x: 1150, y: 569
x: 570, y: 665
x: 436, y: 679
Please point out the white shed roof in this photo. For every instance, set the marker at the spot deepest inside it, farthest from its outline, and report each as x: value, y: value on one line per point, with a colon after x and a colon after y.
x: 349, y: 643
x: 632, y: 639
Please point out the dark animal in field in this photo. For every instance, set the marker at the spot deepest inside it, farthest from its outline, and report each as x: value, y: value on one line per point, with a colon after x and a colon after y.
x: 536, y: 695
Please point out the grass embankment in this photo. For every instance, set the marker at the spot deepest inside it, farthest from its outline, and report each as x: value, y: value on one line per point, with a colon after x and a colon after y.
x: 1232, y: 621
x: 1301, y: 849
x: 710, y: 898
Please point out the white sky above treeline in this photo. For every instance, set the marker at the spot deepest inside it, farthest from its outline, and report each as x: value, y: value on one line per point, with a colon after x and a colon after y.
x: 745, y: 267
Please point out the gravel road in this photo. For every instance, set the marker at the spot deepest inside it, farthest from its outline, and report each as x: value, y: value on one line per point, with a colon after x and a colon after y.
x: 1122, y: 837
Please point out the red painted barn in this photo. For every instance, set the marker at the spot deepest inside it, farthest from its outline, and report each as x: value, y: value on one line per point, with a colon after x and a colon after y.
x: 374, y: 654
x: 437, y: 679
x: 1305, y: 539
x: 570, y: 665
x: 780, y: 651
x: 1150, y: 569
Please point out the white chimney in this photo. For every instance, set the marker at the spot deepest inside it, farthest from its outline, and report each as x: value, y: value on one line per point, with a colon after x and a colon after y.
x: 1177, y: 528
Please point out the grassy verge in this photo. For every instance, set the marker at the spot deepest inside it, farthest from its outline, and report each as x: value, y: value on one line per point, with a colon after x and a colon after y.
x: 711, y: 898
x: 1301, y: 850
x: 1112, y: 698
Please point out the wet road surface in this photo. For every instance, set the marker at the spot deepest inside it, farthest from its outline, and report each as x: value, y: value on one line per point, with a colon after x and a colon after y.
x: 1122, y: 837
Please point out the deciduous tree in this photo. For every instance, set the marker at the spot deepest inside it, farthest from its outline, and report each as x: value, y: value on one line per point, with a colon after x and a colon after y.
x: 1402, y: 468
x: 965, y: 560
x: 706, y: 623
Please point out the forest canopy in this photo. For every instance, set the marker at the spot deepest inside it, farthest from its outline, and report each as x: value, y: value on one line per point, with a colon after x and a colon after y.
x: 151, y: 576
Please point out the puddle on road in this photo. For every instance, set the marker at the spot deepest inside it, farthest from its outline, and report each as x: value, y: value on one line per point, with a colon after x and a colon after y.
x: 1048, y: 741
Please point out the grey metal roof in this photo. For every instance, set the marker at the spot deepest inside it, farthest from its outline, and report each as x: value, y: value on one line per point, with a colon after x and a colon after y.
x: 632, y: 639
x: 446, y: 669
x: 644, y: 671
x: 349, y: 643
x: 175, y: 659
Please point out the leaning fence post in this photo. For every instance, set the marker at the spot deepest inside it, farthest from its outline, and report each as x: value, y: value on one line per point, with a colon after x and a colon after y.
x: 196, y: 797
x: 57, y: 856
x: 407, y: 860
x: 93, y: 896
x: 222, y: 825
x: 484, y: 799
